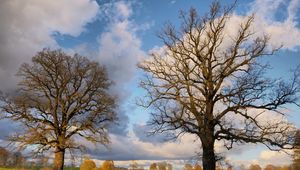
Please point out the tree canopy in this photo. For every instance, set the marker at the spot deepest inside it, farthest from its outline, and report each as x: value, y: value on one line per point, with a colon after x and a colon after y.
x: 60, y: 99
x: 206, y: 82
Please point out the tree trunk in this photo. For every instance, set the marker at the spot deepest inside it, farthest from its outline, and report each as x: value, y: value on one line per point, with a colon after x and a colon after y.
x: 208, y: 157
x: 59, y: 159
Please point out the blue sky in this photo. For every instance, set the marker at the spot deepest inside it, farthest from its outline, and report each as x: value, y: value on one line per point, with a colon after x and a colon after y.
x: 119, y: 34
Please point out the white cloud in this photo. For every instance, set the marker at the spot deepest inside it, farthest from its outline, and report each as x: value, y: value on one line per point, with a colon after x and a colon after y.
x: 27, y: 27
x: 125, y: 148
x: 282, y: 32
x: 131, y: 148
x: 292, y: 10
x: 123, y: 9
x: 260, y: 156
x: 186, y: 147
x: 271, y: 157
x: 119, y: 46
x: 266, y: 8
x: 173, y: 2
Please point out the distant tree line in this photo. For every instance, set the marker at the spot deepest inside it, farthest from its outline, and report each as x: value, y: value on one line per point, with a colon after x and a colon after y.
x: 89, y: 164
x: 161, y: 166
x: 270, y: 167
x: 17, y: 159
x: 8, y: 158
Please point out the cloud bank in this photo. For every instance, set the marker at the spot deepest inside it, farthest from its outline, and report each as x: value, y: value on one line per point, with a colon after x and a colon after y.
x: 27, y: 27
x: 282, y: 32
x: 119, y: 46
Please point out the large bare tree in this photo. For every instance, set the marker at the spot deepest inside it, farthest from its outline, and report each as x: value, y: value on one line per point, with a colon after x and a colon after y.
x: 206, y: 82
x: 60, y: 99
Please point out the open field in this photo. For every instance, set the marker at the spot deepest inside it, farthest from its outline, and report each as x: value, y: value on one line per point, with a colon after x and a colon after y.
x: 37, y: 168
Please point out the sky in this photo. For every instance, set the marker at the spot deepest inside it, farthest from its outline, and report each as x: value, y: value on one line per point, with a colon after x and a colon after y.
x: 119, y: 34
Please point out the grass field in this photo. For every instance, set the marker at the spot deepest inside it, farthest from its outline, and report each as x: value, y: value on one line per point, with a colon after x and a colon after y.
x: 37, y: 168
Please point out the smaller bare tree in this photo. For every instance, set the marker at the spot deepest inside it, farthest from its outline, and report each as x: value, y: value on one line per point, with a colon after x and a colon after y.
x: 60, y: 98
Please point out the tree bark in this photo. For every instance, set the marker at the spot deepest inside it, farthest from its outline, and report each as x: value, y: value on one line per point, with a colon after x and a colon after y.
x: 59, y: 159
x: 208, y: 157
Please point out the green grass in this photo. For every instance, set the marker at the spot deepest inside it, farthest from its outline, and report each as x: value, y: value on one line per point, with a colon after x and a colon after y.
x: 70, y: 168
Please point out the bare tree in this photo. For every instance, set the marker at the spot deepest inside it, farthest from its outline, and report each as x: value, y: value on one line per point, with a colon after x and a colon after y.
x: 211, y: 84
x: 61, y: 98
